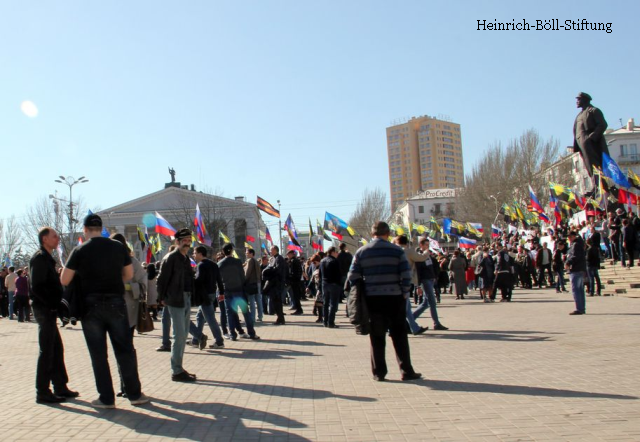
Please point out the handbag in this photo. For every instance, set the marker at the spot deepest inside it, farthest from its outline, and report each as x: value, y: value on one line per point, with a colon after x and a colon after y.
x: 145, y: 322
x: 478, y: 270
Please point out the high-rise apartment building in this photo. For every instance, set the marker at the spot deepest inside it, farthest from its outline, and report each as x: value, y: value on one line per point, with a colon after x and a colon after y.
x: 424, y: 153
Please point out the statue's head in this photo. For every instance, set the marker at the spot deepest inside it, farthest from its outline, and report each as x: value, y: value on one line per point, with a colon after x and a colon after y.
x: 583, y: 99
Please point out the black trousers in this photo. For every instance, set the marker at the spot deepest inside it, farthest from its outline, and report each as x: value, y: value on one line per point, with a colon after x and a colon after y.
x: 275, y: 296
x: 546, y: 267
x: 388, y: 313
x: 50, y: 368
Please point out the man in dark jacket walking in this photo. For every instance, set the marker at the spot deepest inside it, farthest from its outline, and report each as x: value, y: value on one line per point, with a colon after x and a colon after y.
x: 175, y: 285
x: 207, y: 279
x: 576, y: 263
x: 234, y: 293
x: 330, y: 286
x: 46, y: 294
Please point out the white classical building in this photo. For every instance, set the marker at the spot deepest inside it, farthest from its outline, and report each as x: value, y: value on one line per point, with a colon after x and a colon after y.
x: 623, y: 146
x: 439, y: 203
x: 235, y: 218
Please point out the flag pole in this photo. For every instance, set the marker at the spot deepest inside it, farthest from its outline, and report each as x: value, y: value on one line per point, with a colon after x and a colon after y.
x: 259, y: 240
x: 280, y: 228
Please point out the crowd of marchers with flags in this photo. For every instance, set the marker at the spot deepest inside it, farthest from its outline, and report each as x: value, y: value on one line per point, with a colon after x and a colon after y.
x: 527, y: 249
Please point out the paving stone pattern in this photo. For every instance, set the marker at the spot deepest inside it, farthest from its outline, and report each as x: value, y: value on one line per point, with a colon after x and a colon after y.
x: 519, y: 371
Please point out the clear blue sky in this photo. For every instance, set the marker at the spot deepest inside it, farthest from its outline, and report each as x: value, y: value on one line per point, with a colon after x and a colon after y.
x: 285, y: 99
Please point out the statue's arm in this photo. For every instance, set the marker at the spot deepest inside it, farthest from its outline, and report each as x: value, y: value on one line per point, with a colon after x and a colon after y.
x: 601, y: 124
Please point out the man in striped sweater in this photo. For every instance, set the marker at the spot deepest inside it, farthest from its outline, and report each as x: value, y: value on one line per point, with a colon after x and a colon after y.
x: 386, y: 273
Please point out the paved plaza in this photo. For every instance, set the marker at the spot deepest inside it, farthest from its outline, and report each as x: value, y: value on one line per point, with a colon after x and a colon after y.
x: 516, y: 371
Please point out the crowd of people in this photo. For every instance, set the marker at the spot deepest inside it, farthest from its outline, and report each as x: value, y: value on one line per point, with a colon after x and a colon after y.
x: 105, y: 286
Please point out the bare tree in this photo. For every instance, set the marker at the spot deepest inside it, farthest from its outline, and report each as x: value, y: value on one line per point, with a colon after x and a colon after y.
x: 503, y: 175
x: 374, y: 206
x: 10, y: 236
x: 46, y: 212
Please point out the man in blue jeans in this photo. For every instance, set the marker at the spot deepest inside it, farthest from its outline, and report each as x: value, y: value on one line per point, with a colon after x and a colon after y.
x: 234, y: 295
x: 330, y: 286
x: 427, y: 278
x: 576, y: 263
x: 175, y: 285
x: 101, y: 266
x: 207, y: 279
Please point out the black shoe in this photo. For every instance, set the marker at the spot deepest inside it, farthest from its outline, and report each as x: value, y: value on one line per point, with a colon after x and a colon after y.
x: 319, y: 320
x: 121, y: 394
x: 440, y: 327
x: 202, y: 343
x: 411, y: 377
x: 333, y: 326
x: 297, y: 313
x: 278, y: 323
x: 378, y: 378
x: 163, y: 348
x: 66, y: 393
x: 421, y: 330
x: 49, y: 398
x: 183, y: 377
x: 577, y: 312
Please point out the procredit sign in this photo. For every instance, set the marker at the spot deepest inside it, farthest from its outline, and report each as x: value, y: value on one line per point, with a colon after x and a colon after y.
x: 440, y: 193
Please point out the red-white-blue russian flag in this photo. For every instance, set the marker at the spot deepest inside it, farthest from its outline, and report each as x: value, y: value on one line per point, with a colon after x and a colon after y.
x: 466, y: 243
x: 495, y: 231
x: 163, y: 227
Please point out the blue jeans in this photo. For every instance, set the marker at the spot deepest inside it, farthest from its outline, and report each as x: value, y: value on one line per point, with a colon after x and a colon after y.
x: 233, y: 301
x: 253, y: 300
x: 331, y: 298
x: 180, y: 318
x: 577, y: 288
x: 560, y: 280
x: 224, y: 318
x: 428, y: 300
x: 206, y: 313
x: 11, y: 293
x: 413, y: 325
x: 108, y: 315
x: 166, y: 327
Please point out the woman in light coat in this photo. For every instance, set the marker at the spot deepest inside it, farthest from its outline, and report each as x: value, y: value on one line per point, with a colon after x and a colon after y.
x: 135, y: 290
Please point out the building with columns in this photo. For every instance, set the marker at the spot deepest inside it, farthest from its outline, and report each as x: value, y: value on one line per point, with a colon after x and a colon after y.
x: 236, y: 218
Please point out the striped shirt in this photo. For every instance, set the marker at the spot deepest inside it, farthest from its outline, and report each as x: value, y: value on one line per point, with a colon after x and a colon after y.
x: 383, y: 267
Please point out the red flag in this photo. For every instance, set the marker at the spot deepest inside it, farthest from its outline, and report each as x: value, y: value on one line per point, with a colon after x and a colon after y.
x: 337, y: 235
x: 250, y: 238
x: 623, y: 196
x: 633, y: 198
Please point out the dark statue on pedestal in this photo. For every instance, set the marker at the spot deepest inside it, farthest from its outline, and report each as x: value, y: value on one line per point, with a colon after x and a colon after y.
x: 588, y: 133
x: 172, y: 172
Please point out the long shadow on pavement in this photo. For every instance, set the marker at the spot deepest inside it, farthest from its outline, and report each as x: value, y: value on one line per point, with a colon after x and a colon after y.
x: 285, y: 391
x: 478, y: 387
x: 309, y: 343
x: 184, y: 421
x: 255, y: 354
x: 495, y: 335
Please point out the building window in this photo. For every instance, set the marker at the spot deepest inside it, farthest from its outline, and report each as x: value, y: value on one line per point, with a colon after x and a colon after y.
x: 420, y: 209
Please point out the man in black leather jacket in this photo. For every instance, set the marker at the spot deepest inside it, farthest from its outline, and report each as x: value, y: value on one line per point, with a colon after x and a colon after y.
x: 46, y: 294
x: 175, y: 285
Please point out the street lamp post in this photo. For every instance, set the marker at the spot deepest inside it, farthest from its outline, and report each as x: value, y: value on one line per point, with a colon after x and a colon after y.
x: 495, y: 200
x: 70, y: 182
